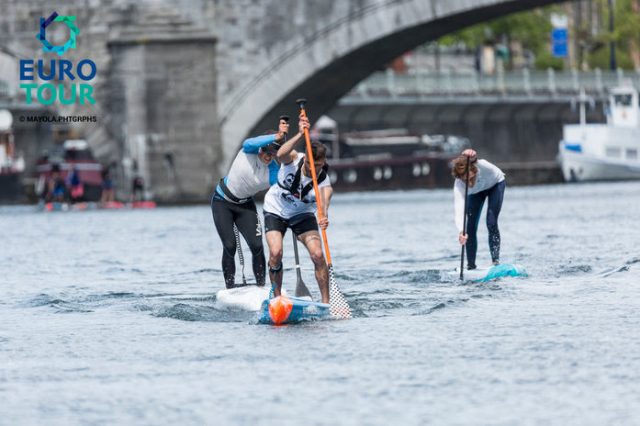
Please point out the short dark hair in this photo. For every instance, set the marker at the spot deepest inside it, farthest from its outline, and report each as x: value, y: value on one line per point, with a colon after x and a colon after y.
x: 318, y: 150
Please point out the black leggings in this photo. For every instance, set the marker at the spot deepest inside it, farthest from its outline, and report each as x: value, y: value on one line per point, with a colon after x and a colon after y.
x: 475, y: 203
x: 245, y: 217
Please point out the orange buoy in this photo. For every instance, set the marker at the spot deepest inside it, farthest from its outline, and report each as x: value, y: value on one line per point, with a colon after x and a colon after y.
x: 279, y: 309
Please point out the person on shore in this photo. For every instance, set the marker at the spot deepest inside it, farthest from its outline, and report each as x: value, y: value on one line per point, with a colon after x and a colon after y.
x: 253, y: 170
x: 76, y: 187
x: 486, y: 182
x: 137, y: 189
x: 56, y: 187
x: 108, y: 194
x: 292, y: 204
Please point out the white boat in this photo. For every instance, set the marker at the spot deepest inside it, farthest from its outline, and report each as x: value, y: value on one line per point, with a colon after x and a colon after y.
x: 604, y: 151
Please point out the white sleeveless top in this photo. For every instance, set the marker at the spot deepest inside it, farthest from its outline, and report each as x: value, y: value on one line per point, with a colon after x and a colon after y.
x: 281, y: 202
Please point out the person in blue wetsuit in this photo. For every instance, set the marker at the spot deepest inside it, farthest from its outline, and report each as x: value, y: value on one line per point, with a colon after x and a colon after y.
x: 57, y: 187
x: 486, y: 182
x: 76, y: 188
x: 253, y: 170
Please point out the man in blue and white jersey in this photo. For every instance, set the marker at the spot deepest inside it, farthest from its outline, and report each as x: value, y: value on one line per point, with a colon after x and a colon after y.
x: 292, y: 204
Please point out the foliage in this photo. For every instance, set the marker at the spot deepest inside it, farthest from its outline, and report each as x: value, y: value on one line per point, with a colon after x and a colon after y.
x: 532, y: 29
x: 545, y: 60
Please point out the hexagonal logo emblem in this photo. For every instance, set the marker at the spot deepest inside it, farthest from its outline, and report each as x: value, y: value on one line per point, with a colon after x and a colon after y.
x: 73, y: 33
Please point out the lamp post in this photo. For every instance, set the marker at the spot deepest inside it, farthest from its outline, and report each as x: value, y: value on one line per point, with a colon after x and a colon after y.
x: 612, y: 44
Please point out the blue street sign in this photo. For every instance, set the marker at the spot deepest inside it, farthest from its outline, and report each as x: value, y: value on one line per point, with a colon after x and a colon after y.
x: 559, y: 40
x: 559, y: 35
x: 560, y: 50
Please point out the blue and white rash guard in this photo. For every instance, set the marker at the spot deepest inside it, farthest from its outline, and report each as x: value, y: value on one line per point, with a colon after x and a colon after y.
x: 248, y: 175
x: 488, y: 175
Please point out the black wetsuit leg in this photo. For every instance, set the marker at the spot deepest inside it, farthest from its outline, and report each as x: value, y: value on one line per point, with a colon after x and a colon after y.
x: 245, y: 217
x: 474, y: 206
x: 223, y: 218
x: 248, y: 223
x: 496, y: 195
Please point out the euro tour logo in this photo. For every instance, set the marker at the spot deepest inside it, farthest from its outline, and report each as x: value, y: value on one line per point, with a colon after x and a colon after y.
x: 58, y: 70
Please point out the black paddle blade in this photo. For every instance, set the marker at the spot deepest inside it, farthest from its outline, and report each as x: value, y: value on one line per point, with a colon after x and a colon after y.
x: 301, y: 289
x: 301, y: 102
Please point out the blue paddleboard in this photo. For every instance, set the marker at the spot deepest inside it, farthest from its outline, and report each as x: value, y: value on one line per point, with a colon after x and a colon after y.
x: 502, y: 270
x: 483, y: 275
x: 291, y: 310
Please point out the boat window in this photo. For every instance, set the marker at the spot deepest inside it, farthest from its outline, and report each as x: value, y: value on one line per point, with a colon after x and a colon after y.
x: 75, y: 155
x: 614, y: 151
x: 351, y: 175
x: 632, y: 154
x: 622, y: 100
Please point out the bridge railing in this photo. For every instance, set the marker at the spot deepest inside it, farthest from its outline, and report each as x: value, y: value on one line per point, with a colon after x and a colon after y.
x: 528, y: 83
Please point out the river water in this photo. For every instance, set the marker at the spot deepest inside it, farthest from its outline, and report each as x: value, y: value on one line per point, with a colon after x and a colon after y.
x: 109, y: 317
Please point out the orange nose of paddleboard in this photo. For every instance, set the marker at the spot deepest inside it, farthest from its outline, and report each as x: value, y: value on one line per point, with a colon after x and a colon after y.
x: 279, y: 309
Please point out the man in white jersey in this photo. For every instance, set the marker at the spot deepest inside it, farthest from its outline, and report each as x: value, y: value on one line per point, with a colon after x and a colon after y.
x: 254, y: 169
x: 486, y: 181
x: 292, y: 204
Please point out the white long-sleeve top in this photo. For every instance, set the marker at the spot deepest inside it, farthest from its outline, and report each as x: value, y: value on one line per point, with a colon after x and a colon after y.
x: 488, y: 175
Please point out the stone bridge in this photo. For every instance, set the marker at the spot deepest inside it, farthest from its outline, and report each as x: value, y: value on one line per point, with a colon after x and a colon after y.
x: 181, y: 83
x: 322, y: 49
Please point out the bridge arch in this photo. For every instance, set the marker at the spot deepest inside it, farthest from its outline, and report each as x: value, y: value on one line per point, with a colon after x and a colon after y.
x: 324, y: 65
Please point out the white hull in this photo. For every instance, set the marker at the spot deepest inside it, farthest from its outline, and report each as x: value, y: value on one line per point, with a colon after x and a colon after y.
x: 609, y: 151
x: 578, y: 167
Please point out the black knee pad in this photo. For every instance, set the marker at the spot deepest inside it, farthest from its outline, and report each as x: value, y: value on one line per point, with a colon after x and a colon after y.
x: 275, y: 270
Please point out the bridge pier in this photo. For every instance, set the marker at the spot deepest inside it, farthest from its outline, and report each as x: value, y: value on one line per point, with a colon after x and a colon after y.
x: 163, y: 104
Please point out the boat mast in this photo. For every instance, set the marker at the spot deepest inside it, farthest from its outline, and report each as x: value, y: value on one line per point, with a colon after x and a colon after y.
x: 583, y: 113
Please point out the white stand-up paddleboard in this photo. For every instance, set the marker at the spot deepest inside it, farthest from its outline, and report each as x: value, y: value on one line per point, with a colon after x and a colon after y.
x: 490, y: 273
x: 247, y: 298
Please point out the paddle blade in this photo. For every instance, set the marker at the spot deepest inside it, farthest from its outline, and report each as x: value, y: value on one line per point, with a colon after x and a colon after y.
x: 339, y: 307
x: 302, y: 290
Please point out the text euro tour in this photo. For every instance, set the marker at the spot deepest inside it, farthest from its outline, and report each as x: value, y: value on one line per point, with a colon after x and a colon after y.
x: 48, y: 93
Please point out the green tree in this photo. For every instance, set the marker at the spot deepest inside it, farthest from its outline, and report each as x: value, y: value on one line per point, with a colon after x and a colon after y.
x: 626, y: 35
x: 530, y: 28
